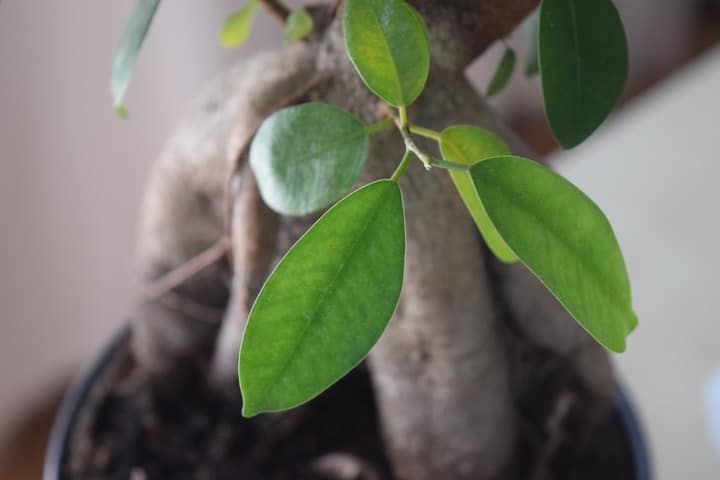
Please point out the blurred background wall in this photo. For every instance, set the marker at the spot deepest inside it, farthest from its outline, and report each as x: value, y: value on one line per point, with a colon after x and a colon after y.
x: 72, y: 173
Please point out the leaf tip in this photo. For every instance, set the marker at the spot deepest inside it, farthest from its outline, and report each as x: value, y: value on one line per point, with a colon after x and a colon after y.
x: 617, y: 347
x: 121, y: 111
x: 300, y: 24
x: 250, y: 412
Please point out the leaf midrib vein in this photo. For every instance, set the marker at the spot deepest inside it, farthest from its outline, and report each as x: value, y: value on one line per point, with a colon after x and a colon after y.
x: 324, y: 295
x: 395, y: 76
x: 609, y: 295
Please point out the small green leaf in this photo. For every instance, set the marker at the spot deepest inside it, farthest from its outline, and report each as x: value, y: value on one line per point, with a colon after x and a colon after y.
x: 299, y: 25
x: 583, y: 64
x: 306, y: 157
x: 121, y: 111
x: 467, y: 145
x: 327, y: 302
x: 504, y: 72
x: 236, y: 29
x: 128, y: 48
x: 564, y: 238
x: 388, y: 43
x: 532, y: 27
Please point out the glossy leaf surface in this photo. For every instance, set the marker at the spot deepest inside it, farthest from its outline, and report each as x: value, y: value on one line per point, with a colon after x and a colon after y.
x: 583, y: 64
x: 128, y: 49
x: 306, y: 157
x: 388, y: 43
x: 504, y: 72
x: 564, y: 238
x: 237, y: 27
x: 299, y: 25
x: 327, y: 302
x: 467, y: 145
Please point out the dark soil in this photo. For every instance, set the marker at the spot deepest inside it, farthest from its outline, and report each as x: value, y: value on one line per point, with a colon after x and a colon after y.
x: 189, y: 432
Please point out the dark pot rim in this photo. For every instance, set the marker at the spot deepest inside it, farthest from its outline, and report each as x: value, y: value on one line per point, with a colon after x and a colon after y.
x: 78, y: 392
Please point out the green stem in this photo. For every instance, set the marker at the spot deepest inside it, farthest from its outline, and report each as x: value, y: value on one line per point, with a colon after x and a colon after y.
x: 436, y: 162
x: 425, y: 132
x: 402, y: 166
x: 403, y: 117
x: 381, y: 124
x: 402, y: 124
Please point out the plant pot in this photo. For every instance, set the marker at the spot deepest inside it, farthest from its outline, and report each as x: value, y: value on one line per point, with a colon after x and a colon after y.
x: 81, y: 390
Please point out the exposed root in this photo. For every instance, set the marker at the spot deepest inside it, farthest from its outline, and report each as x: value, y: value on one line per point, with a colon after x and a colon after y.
x: 183, y: 230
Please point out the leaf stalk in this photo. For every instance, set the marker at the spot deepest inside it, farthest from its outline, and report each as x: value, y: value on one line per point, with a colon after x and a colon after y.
x: 402, y: 166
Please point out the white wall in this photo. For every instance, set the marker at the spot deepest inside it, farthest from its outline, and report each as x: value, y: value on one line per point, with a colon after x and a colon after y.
x: 654, y: 170
x: 72, y: 173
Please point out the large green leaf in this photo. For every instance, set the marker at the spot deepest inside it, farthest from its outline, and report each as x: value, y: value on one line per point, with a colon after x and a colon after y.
x: 388, y: 43
x: 503, y: 73
x: 300, y: 24
x: 564, y: 238
x: 327, y: 302
x: 467, y: 145
x: 307, y: 156
x: 127, y: 50
x: 237, y: 27
x: 583, y: 64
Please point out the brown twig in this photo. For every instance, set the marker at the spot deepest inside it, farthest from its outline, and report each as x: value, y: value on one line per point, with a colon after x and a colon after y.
x: 336, y: 8
x: 293, y: 98
x: 277, y: 9
x: 185, y: 271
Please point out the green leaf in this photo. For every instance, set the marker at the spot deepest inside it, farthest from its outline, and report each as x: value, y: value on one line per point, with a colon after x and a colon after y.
x: 327, y: 302
x: 236, y: 29
x: 306, y: 157
x: 504, y: 72
x: 564, y: 238
x: 467, y: 145
x: 299, y: 25
x: 532, y: 27
x: 128, y: 48
x: 388, y: 43
x: 583, y: 64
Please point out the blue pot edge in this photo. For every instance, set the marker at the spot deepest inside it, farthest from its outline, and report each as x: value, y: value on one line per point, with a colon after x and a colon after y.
x: 636, y: 435
x: 72, y: 401
x: 80, y: 388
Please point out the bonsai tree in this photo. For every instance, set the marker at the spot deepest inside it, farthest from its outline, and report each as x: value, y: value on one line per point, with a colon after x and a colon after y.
x: 468, y: 272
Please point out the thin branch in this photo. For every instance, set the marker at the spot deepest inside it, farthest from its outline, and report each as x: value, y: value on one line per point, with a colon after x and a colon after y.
x: 277, y: 9
x: 182, y: 273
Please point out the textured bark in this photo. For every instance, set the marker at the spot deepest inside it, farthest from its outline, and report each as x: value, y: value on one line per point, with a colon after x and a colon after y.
x: 254, y: 234
x: 444, y: 372
x: 184, y: 208
x: 460, y: 30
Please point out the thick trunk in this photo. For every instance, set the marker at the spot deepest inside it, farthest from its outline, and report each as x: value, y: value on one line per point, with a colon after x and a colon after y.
x: 443, y: 371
